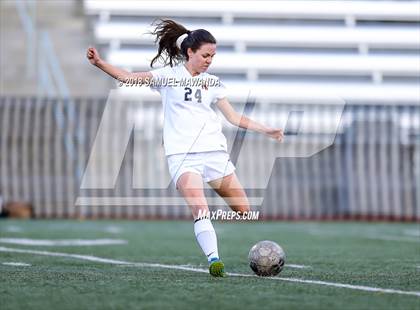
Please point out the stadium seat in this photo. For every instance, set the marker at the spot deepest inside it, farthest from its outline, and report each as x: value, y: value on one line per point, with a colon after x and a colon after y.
x: 349, y: 11
x: 298, y: 50
x: 255, y: 64
x: 244, y: 36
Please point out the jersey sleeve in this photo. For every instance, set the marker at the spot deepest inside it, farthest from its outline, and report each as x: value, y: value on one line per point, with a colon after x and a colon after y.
x: 158, y: 75
x: 220, y: 91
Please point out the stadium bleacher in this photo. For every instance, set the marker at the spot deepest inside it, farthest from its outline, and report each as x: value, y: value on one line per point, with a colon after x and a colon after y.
x: 241, y: 37
x: 229, y: 11
x: 323, y: 47
x: 254, y: 64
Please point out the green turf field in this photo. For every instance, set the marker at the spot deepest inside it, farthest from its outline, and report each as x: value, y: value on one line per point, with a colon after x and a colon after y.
x: 375, y: 256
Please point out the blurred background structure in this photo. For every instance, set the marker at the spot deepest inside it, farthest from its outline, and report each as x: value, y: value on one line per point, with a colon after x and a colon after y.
x: 284, y: 56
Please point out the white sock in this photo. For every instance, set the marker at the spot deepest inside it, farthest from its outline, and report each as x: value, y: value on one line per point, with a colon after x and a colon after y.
x: 206, y: 238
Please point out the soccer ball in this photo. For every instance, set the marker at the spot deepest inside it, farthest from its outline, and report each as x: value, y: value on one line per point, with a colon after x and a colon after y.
x: 266, y: 258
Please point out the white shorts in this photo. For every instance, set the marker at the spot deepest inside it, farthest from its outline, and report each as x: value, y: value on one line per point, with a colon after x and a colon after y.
x: 210, y: 165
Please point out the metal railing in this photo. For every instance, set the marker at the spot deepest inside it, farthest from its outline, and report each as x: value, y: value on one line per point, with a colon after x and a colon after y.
x: 371, y: 171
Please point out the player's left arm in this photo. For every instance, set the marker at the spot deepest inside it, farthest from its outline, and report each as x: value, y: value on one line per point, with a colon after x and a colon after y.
x: 242, y: 121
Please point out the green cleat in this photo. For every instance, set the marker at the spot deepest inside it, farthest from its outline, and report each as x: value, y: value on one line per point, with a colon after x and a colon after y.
x: 217, y: 268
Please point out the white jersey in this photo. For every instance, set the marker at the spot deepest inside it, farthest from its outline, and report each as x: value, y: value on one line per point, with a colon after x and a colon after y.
x: 190, y: 124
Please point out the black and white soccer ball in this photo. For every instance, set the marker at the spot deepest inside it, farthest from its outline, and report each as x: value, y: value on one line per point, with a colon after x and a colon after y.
x: 266, y: 258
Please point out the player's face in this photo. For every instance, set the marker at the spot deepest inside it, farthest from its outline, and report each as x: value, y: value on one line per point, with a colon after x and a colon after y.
x: 202, y: 58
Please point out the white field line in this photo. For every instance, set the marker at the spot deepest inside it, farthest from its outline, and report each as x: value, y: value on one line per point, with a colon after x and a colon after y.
x: 297, y: 266
x: 83, y: 257
x: 174, y: 267
x: 15, y: 264
x: 67, y: 242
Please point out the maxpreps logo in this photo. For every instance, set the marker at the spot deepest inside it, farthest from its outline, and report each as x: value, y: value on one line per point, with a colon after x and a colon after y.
x: 229, y: 215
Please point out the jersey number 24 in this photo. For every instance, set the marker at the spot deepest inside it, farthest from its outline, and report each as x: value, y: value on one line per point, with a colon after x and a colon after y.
x: 188, y: 92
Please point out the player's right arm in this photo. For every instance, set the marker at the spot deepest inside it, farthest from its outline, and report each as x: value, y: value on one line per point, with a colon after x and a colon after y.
x: 117, y: 73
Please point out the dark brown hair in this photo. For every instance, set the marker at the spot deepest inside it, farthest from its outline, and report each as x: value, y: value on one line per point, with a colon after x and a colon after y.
x: 167, y: 32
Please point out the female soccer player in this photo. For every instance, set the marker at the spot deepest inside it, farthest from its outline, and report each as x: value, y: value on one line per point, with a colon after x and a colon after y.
x: 195, y: 146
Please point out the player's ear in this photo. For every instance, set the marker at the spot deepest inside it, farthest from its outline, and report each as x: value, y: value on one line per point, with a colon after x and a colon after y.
x: 190, y: 52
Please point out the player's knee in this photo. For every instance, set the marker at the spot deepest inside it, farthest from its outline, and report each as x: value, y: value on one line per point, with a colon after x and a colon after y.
x: 199, y: 211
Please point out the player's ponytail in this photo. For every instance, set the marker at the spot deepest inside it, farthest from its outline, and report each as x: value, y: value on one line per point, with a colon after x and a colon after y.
x: 174, y: 40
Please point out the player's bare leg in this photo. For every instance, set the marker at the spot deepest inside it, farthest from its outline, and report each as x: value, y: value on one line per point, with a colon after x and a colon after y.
x: 190, y: 185
x: 231, y: 190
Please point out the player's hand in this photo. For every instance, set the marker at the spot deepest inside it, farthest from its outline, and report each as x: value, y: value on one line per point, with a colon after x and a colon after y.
x: 93, y: 56
x: 274, y: 133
